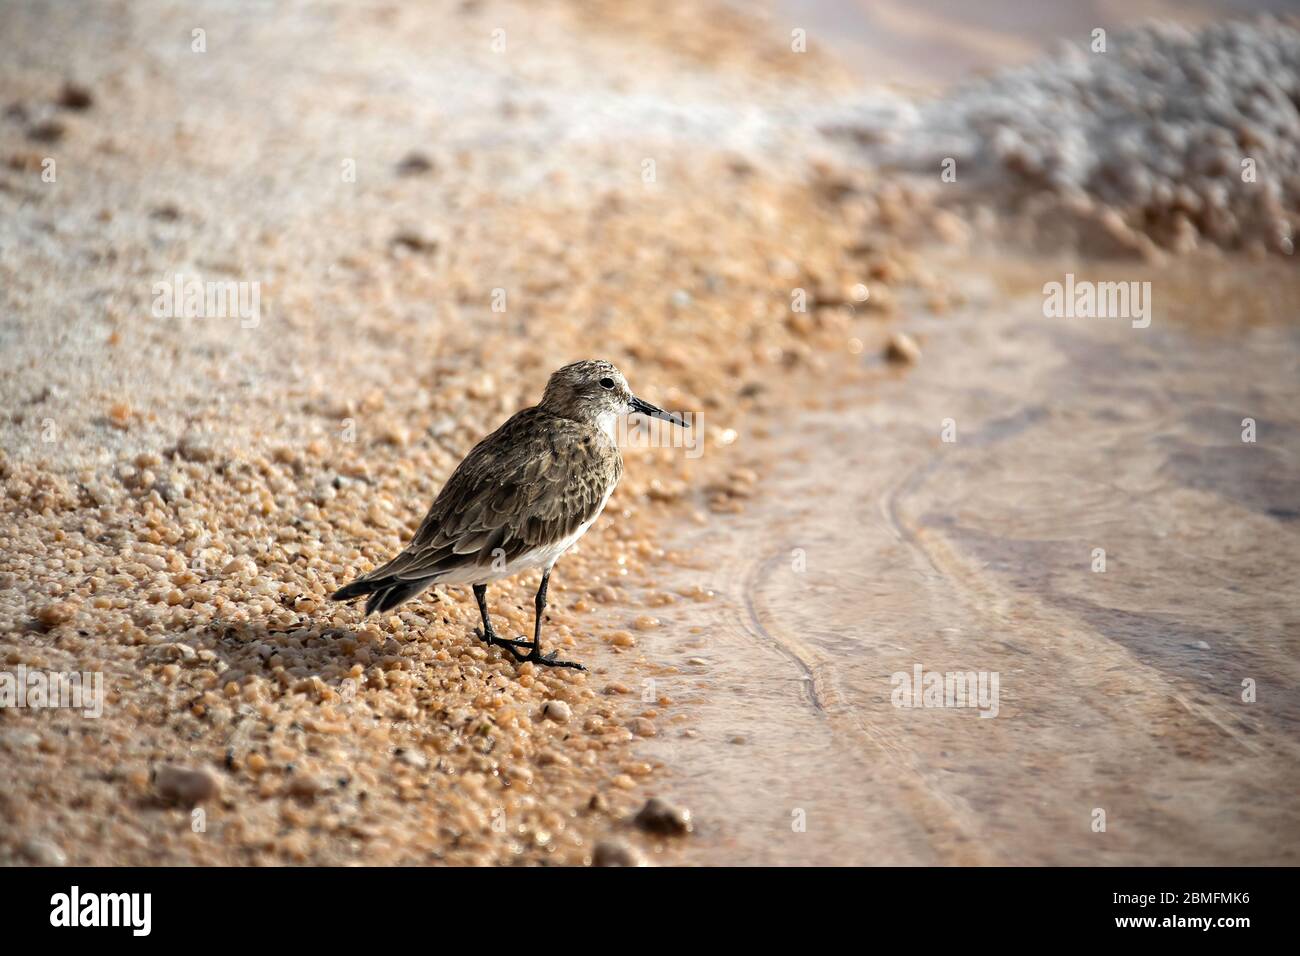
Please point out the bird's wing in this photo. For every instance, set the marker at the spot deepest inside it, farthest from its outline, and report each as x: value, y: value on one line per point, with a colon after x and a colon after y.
x: 535, y: 480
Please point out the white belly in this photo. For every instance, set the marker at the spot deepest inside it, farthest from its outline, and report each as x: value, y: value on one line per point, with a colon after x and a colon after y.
x: 543, y: 557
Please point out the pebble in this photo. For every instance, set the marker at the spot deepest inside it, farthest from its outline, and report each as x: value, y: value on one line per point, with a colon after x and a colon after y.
x: 410, y: 241
x: 642, y: 727
x: 242, y: 565
x: 413, y: 758
x: 74, y: 96
x: 119, y: 413
x: 660, y: 816
x: 192, y: 447
x: 307, y: 785
x: 902, y: 349
x: 557, y: 710
x: 47, y: 131
x: 415, y: 164
x: 177, y: 651
x: 614, y: 852
x: 44, y: 853
x: 180, y: 785
x: 52, y: 615
x: 21, y: 739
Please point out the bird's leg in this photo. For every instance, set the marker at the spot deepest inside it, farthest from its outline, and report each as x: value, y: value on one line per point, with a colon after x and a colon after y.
x: 487, y: 635
x: 536, y: 657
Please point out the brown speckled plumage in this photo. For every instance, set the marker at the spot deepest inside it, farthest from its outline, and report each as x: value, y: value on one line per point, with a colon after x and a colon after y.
x: 534, y: 481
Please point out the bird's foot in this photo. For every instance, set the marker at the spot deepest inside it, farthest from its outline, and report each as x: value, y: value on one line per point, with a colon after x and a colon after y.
x: 507, y: 643
x: 513, y: 646
x: 533, y: 657
x: 550, y: 661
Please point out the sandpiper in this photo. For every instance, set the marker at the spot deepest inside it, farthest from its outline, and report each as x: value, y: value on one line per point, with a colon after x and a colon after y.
x: 521, y: 498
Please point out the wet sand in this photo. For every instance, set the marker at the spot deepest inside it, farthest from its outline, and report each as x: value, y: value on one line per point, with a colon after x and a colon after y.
x: 878, y: 546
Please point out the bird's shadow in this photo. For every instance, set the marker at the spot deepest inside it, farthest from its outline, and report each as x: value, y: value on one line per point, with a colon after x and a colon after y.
x: 288, y: 655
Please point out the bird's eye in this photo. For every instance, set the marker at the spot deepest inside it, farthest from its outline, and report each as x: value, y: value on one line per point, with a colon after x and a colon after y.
x: 606, y: 383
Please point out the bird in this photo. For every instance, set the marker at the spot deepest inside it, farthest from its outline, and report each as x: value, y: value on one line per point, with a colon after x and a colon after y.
x: 522, y: 497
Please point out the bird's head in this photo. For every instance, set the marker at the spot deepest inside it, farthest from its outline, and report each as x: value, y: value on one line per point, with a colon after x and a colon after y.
x: 596, y: 391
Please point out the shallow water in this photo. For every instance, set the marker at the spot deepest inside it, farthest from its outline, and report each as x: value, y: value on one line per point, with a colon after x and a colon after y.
x: 877, y: 546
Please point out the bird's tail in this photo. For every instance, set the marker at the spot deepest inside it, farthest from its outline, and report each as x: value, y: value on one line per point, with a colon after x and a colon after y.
x: 385, y: 592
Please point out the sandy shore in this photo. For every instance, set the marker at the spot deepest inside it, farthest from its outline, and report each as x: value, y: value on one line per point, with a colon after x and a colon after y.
x: 180, y: 494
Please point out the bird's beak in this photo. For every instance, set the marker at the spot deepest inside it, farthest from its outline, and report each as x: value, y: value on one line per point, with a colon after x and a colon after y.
x: 653, y: 411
